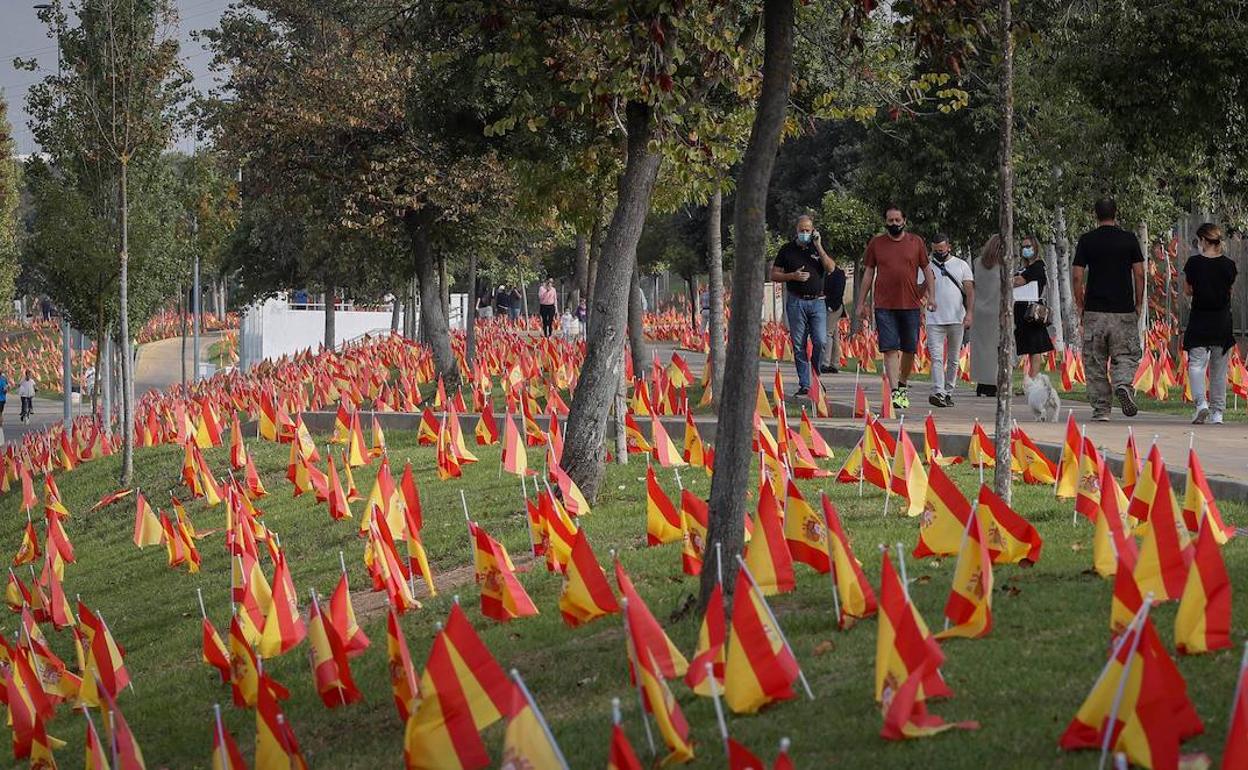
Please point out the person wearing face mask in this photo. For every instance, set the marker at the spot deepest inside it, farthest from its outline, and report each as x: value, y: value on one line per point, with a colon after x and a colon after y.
x: 955, y: 298
x: 1210, y: 335
x: 1031, y: 329
x: 891, y: 265
x: 801, y: 265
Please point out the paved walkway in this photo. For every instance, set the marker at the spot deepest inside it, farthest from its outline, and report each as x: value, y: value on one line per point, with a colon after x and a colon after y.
x: 158, y: 366
x: 1223, y: 449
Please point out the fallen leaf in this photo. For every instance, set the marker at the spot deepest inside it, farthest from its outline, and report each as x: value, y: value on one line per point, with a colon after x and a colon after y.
x: 1076, y: 546
x: 1013, y: 590
x: 921, y: 579
x: 824, y: 647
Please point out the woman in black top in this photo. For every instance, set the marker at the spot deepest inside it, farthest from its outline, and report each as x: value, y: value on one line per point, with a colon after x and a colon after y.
x: 1209, y: 336
x: 1031, y: 339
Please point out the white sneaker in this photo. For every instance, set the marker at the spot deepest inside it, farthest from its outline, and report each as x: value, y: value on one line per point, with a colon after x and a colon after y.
x: 1215, y: 418
x: 1202, y: 414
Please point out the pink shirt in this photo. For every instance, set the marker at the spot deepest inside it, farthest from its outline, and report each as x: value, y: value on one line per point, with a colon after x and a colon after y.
x: 546, y: 295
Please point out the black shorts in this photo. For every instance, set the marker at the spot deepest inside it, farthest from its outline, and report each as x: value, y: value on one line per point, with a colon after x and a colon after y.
x: 1, y: 407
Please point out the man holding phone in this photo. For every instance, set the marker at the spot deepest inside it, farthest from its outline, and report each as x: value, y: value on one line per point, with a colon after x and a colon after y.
x: 801, y: 264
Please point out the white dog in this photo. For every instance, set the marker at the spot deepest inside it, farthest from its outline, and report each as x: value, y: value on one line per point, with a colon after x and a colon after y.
x: 1041, y: 397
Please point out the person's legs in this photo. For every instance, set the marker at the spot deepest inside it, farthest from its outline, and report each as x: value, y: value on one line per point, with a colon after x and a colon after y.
x: 908, y: 338
x: 796, y: 317
x: 1197, y: 366
x: 1219, y: 360
x: 832, y: 347
x: 1096, y: 358
x: 890, y: 344
x: 954, y: 335
x: 817, y: 329
x: 1124, y: 357
x: 936, y: 337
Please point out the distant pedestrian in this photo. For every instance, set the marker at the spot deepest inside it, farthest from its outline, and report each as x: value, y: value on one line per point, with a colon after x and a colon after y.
x: 4, y: 393
x: 986, y: 328
x: 26, y: 392
x: 801, y: 264
x: 485, y: 305
x: 1210, y: 335
x: 704, y: 301
x: 515, y: 303
x: 834, y: 303
x: 1108, y: 277
x: 547, y: 306
x: 954, y: 293
x: 1031, y: 318
x: 582, y: 313
x: 890, y: 269
x: 502, y: 302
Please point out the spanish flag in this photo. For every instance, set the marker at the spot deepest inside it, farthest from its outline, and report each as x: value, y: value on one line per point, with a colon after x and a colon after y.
x: 878, y: 448
x: 1112, y: 548
x: 712, y: 636
x: 945, y: 514
x: 635, y: 439
x: 463, y: 691
x: 695, y: 454
x: 515, y: 459
x: 664, y: 450
x: 908, y: 477
x: 663, y: 524
x: 931, y: 445
x: 213, y: 651
x: 225, y: 753
x: 694, y: 520
x: 1145, y: 491
x: 621, y: 756
x: 1088, y: 491
x: 804, y: 531
x: 968, y: 611
x: 648, y: 637
x: 759, y: 668
x: 904, y: 647
x: 1068, y: 465
x: 980, y: 451
x: 276, y: 746
x: 283, y: 625
x: 486, y: 431
x: 1035, y: 467
x: 660, y: 702
x: 403, y: 683
x: 1199, y: 504
x: 244, y: 670
x: 573, y: 500
x: 767, y: 554
x: 857, y: 599
x: 1154, y: 713
x: 330, y: 668
x: 1203, y: 623
x: 1165, y: 551
x: 527, y: 741
x: 427, y: 431
x: 29, y: 551
x: 1235, y: 752
x: 1130, y: 465
x: 502, y: 596
x: 586, y: 594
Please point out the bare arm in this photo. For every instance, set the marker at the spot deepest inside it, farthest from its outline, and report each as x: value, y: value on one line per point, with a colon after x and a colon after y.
x: 929, y: 287
x: 868, y: 277
x: 781, y: 276
x: 969, y: 288
x: 1019, y: 280
x: 1137, y: 273
x: 1076, y: 279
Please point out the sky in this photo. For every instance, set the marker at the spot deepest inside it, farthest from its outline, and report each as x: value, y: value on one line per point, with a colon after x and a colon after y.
x: 23, y: 35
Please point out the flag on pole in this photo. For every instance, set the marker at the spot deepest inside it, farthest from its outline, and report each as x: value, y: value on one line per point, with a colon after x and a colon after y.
x: 759, y: 667
x: 767, y: 554
x: 969, y: 608
x: 1203, y: 622
x: 586, y: 594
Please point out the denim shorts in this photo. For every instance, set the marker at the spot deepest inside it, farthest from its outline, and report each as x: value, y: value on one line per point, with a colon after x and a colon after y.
x: 898, y: 329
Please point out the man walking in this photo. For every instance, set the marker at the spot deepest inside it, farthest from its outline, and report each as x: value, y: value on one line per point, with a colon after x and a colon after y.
x: 801, y: 264
x: 834, y: 301
x: 954, y: 292
x: 891, y: 266
x: 1108, y: 277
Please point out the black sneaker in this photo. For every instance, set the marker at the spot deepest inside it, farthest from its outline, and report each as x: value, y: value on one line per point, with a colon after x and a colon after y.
x: 830, y: 370
x: 1126, y: 401
x: 802, y: 393
x: 948, y: 400
x: 936, y: 400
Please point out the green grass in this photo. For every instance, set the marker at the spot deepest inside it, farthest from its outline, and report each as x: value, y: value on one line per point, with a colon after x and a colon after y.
x: 1023, y: 682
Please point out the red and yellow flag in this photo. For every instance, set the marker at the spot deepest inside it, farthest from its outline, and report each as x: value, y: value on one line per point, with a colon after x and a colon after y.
x: 586, y: 593
x: 1199, y: 504
x: 712, y: 637
x: 767, y: 554
x: 759, y: 668
x: 276, y: 746
x: 664, y: 449
x: 804, y: 531
x: 330, y: 668
x: 1164, y: 552
x: 931, y: 445
x: 502, y: 596
x: 857, y: 599
x: 646, y: 634
x: 403, y: 682
x: 968, y: 612
x: 663, y: 523
x: 1203, y: 622
x: 908, y: 477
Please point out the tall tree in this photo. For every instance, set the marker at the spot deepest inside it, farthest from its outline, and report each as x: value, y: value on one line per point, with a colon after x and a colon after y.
x: 9, y: 174
x: 1002, y: 477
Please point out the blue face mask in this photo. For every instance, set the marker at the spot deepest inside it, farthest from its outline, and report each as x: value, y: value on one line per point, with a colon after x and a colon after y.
x: 1028, y: 252
x: 803, y: 238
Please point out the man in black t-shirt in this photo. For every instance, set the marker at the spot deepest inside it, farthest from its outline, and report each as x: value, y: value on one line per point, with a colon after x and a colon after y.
x: 1108, y: 277
x: 801, y: 264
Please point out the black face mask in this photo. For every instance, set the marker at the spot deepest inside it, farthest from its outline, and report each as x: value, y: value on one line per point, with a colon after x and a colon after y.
x: 940, y: 256
x: 894, y: 230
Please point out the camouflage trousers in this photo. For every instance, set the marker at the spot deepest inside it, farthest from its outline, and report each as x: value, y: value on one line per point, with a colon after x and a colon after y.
x: 1111, y: 354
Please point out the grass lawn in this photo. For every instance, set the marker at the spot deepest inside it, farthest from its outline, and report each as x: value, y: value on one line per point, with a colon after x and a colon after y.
x: 1023, y: 682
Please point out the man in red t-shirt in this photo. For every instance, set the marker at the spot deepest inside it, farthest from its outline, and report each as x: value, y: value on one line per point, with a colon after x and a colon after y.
x: 891, y: 268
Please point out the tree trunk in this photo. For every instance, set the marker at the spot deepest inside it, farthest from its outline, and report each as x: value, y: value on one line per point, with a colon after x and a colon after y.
x: 691, y: 287
x: 595, y: 255
x: 396, y: 311
x: 735, y: 429
x: 433, y: 324
x: 331, y: 312
x: 715, y: 282
x: 600, y: 372
x: 636, y: 328
x: 127, y: 361
x: 182, y: 312
x: 444, y: 289
x: 580, y: 272
x: 470, y: 346
x: 1053, y: 297
x: 1069, y: 326
x: 1001, y: 479
x: 106, y: 379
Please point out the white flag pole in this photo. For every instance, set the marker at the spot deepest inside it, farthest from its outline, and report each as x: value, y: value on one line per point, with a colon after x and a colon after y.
x: 1135, y: 634
x: 783, y: 639
x: 827, y: 539
x: 541, y: 720
x: 1078, y: 469
x: 888, y: 485
x: 719, y: 707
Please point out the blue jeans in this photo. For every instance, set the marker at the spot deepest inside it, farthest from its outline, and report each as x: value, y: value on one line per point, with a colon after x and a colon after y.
x: 808, y: 318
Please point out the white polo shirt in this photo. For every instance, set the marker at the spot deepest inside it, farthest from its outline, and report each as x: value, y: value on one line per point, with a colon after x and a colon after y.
x: 949, y: 307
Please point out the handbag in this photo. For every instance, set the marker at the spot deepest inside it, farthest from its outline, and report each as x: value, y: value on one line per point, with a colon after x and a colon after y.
x: 1038, y: 313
